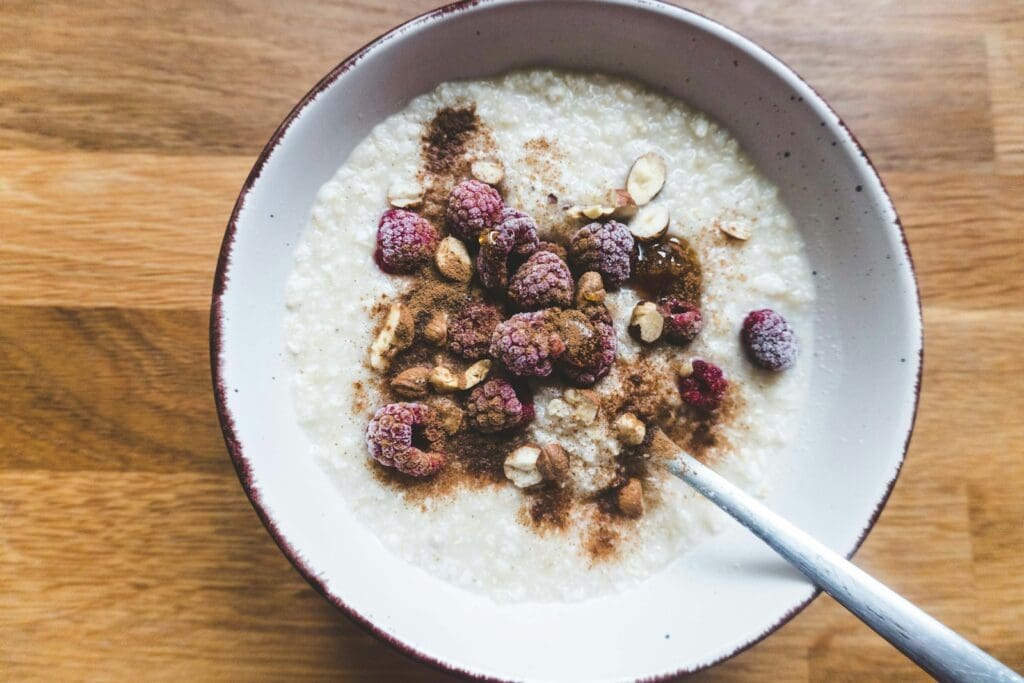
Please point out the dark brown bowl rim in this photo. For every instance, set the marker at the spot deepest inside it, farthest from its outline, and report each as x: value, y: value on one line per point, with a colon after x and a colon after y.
x: 234, y: 446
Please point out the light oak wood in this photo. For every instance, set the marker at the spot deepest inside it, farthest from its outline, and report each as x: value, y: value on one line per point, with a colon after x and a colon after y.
x: 127, y: 548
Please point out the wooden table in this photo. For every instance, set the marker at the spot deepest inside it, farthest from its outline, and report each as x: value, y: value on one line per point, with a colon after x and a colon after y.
x: 127, y: 548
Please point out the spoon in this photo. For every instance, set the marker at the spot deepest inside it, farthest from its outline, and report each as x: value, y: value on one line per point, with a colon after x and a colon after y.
x: 934, y: 647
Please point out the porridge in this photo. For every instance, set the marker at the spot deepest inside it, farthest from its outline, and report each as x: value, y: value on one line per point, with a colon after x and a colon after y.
x: 511, y: 295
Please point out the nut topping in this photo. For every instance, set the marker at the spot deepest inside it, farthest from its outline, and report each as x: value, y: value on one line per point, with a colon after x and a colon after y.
x: 445, y: 381
x: 646, y: 323
x: 591, y: 211
x: 553, y: 463
x: 585, y: 404
x: 590, y: 289
x: 488, y: 171
x: 521, y: 466
x: 621, y: 203
x: 476, y: 373
x: 630, y: 430
x: 412, y: 383
x: 651, y: 223
x: 453, y: 260
x: 646, y: 178
x: 436, y: 329
x: 631, y: 499
x: 396, y: 335
x: 405, y: 194
x: 739, y: 231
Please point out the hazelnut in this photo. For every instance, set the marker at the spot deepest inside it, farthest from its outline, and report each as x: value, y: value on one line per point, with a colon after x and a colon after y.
x: 685, y: 368
x: 395, y: 335
x: 622, y: 203
x: 739, y: 231
x: 651, y: 223
x: 488, y: 171
x: 453, y: 260
x: 448, y: 415
x: 405, y: 194
x: 590, y: 289
x: 521, y: 466
x: 436, y: 329
x: 585, y: 404
x: 553, y: 463
x: 475, y: 373
x: 591, y: 211
x: 630, y: 499
x: 646, y: 324
x: 412, y: 383
x: 444, y: 380
x: 630, y: 430
x: 646, y: 178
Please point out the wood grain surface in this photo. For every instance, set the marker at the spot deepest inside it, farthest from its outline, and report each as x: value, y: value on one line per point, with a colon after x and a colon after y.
x: 127, y: 548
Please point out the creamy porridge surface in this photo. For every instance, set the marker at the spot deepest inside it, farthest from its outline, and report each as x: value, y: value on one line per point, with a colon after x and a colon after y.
x: 563, y: 139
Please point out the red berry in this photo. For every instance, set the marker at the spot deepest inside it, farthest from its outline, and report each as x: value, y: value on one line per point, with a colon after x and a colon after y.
x: 473, y: 207
x: 527, y: 344
x: 705, y: 388
x: 391, y: 434
x: 683, y: 322
x: 604, y: 247
x: 494, y: 407
x: 405, y: 241
x: 543, y: 281
x: 769, y: 340
x: 470, y: 330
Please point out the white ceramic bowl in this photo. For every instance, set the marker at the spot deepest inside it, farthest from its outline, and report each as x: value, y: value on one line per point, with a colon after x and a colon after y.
x: 731, y: 591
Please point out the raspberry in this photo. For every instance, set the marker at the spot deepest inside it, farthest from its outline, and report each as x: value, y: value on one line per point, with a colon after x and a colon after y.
x: 590, y: 344
x: 516, y: 233
x: 405, y: 241
x: 543, y: 281
x: 494, y: 407
x: 683, y: 322
x: 705, y: 388
x: 472, y: 207
x: 604, y: 247
x: 527, y: 344
x: 523, y: 230
x: 391, y: 434
x: 769, y: 340
x: 470, y: 330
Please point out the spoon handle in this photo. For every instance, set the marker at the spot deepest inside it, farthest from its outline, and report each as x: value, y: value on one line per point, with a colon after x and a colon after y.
x: 934, y: 647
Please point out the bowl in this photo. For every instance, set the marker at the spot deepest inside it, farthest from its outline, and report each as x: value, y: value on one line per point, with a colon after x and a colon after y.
x: 731, y: 591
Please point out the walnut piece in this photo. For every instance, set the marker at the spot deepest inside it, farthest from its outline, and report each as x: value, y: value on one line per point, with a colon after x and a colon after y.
x: 453, y: 260
x: 436, y: 329
x: 395, y: 335
x: 630, y: 499
x: 521, y: 466
x: 553, y: 463
x: 412, y: 383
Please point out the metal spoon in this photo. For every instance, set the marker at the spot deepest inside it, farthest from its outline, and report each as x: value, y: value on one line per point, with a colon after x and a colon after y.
x: 935, y: 648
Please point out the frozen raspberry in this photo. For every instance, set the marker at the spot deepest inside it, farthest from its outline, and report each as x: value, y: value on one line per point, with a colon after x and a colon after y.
x: 705, y: 388
x: 392, y: 437
x: 769, y: 340
x: 604, y: 247
x: 683, y: 322
x: 405, y: 241
x: 543, y: 281
x: 472, y: 207
x: 522, y: 229
x: 590, y: 344
x: 470, y: 330
x: 494, y: 407
x: 527, y: 343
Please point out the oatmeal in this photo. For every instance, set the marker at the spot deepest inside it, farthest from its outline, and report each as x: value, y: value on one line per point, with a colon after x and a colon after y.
x: 507, y: 291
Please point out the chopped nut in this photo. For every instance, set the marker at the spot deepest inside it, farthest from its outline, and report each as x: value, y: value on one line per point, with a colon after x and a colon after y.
x: 740, y: 231
x: 621, y: 203
x: 646, y: 324
x: 590, y: 289
x: 631, y: 499
x: 591, y: 211
x: 453, y: 260
x: 444, y: 380
x: 436, y: 329
x: 585, y: 404
x: 405, y: 194
x: 475, y: 373
x: 412, y: 383
x: 651, y: 223
x: 646, y: 178
x: 630, y: 430
x: 685, y: 368
x: 553, y: 463
x: 488, y: 171
x: 396, y: 335
x: 448, y: 415
x: 521, y: 466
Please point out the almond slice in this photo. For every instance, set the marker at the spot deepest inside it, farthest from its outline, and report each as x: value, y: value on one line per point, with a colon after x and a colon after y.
x: 405, y: 194
x: 739, y: 231
x: 646, y: 178
x: 487, y: 171
x: 650, y: 223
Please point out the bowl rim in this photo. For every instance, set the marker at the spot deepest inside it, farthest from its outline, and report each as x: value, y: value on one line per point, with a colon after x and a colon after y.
x: 234, y: 447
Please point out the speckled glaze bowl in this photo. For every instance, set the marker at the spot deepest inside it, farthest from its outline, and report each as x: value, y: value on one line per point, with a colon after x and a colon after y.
x: 731, y: 591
